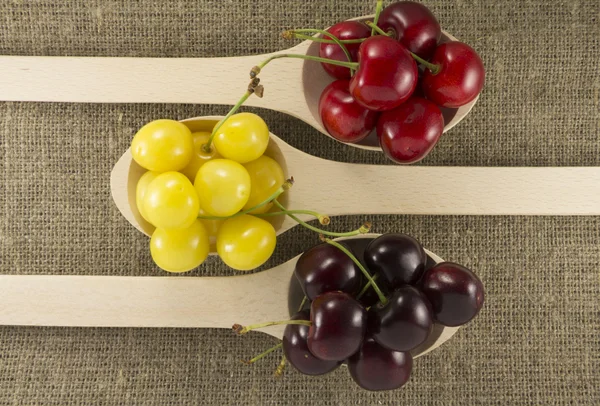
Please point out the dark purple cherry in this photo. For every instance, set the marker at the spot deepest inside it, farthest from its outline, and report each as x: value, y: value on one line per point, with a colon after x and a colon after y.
x: 410, y: 131
x: 404, y: 322
x: 386, y: 76
x: 342, y: 116
x: 398, y: 258
x: 460, y: 78
x: 325, y: 268
x: 375, y: 367
x: 414, y: 25
x: 338, y: 326
x: 295, y: 348
x: 343, y: 31
x: 456, y: 293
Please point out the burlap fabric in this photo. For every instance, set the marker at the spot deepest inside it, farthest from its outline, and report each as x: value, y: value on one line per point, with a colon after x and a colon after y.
x: 536, y: 342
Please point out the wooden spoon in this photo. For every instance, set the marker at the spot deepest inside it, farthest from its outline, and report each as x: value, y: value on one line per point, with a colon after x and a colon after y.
x: 291, y: 86
x: 127, y: 301
x: 337, y: 188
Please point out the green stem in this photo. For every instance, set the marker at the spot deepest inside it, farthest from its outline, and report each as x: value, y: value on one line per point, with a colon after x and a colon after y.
x: 207, y: 146
x: 362, y: 230
x: 286, y: 186
x: 264, y: 354
x: 334, y: 39
x: 280, y: 367
x: 304, y: 299
x: 244, y: 330
x: 378, y: 9
x: 375, y: 28
x: 366, y: 287
x: 256, y: 70
x: 325, y: 41
x: 323, y: 218
x: 433, y: 68
x: 382, y: 297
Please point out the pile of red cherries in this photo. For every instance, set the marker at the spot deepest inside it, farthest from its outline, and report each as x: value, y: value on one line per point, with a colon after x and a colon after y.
x: 374, y: 328
x: 388, y: 91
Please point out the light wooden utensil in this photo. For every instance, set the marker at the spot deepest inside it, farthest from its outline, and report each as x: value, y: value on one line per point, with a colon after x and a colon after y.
x: 336, y: 188
x: 127, y: 301
x: 292, y: 86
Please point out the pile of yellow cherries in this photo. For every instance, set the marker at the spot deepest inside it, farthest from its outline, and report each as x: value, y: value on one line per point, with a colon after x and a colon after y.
x: 207, y: 188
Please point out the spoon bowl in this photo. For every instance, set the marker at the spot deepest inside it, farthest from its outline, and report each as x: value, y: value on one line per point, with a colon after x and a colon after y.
x: 315, y: 79
x: 291, y: 86
x: 165, y: 301
x: 135, y: 172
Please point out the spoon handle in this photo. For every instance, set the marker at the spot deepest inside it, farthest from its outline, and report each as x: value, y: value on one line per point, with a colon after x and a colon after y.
x: 124, y: 301
x: 337, y: 188
x: 141, y: 80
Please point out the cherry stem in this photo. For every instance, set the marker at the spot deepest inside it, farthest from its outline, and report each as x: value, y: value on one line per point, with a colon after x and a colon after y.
x: 284, y: 187
x: 207, y: 147
x: 375, y: 28
x: 293, y: 34
x: 302, y: 303
x: 241, y: 330
x: 378, y: 9
x: 323, y: 218
x: 333, y: 38
x: 382, y: 297
x: 280, y: 367
x: 433, y: 68
x: 256, y: 70
x: 362, y: 230
x: 366, y: 287
x: 262, y: 355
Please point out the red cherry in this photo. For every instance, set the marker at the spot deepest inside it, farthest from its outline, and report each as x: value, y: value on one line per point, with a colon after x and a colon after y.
x: 343, y: 31
x: 413, y: 25
x: 343, y: 118
x: 460, y: 78
x: 407, y: 133
x: 386, y: 76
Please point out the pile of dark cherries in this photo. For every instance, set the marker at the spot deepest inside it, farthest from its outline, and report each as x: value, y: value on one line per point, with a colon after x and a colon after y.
x: 388, y: 91
x: 375, y: 340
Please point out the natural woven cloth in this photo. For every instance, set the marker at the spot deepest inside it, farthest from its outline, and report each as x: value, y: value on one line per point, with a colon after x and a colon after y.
x: 537, y: 339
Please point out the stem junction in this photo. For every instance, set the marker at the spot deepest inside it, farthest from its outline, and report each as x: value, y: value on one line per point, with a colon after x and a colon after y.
x: 380, y: 294
x: 433, y: 68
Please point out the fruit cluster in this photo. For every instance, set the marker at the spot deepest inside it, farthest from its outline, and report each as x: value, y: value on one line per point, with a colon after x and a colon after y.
x: 203, y: 189
x: 371, y: 313
x: 380, y: 86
